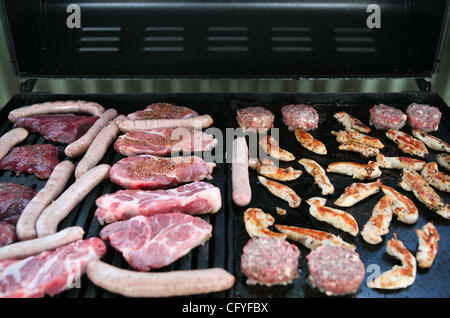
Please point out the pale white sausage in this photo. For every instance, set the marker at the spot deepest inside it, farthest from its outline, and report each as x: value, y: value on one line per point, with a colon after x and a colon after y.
x: 48, y: 221
x: 79, y: 146
x: 167, y: 284
x: 10, y: 139
x: 58, y: 107
x: 242, y: 192
x: 35, y: 246
x: 202, y: 121
x: 26, y: 226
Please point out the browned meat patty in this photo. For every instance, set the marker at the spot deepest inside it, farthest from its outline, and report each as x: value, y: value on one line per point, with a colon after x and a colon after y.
x: 303, y: 117
x: 255, y: 119
x: 423, y: 117
x: 385, y: 117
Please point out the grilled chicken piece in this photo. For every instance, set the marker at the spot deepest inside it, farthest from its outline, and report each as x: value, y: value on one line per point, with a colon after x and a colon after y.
x: 402, y: 206
x: 356, y: 170
x: 337, y: 218
x: 436, y: 178
x: 428, y: 245
x: 346, y: 136
x: 400, y: 162
x: 365, y: 151
x: 281, y: 211
x: 312, y: 239
x: 378, y: 223
x: 257, y: 223
x: 319, y: 175
x: 399, y: 276
x: 412, y: 181
x: 282, y: 191
x: 431, y: 141
x: 307, y: 140
x: 357, y: 192
x: 443, y: 160
x: 270, y: 170
x: 272, y: 148
x: 351, y: 123
x: 407, y: 143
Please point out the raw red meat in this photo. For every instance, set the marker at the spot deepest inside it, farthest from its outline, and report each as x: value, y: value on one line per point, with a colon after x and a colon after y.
x: 385, y: 117
x: 63, y: 129
x: 50, y: 272
x: 303, y: 117
x: 158, y: 240
x: 256, y: 119
x: 423, y: 117
x: 150, y: 172
x: 163, y: 142
x: 39, y: 160
x: 7, y: 233
x: 163, y: 111
x: 13, y: 200
x: 192, y: 198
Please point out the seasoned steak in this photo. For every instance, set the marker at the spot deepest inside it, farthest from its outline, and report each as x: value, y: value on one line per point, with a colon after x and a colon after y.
x: 269, y: 261
x: 63, y: 129
x: 385, y: 117
x: 7, y: 233
x: 255, y: 119
x: 13, y: 200
x: 423, y: 117
x: 303, y: 117
x: 163, y: 111
x: 39, y: 160
x: 335, y: 270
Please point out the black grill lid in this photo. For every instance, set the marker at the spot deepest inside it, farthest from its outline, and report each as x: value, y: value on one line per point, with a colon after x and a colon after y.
x: 225, y: 39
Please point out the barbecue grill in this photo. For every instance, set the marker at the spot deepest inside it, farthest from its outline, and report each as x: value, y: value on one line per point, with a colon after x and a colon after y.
x: 242, y: 39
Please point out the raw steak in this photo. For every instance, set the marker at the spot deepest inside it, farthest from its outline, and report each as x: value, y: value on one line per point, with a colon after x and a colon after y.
x: 62, y: 129
x: 385, y: 117
x: 163, y: 111
x: 39, y: 160
x: 158, y: 240
x: 150, y: 172
x: 163, y: 142
x: 7, y: 233
x: 50, y: 272
x: 423, y: 117
x: 256, y: 119
x: 192, y: 198
x: 13, y: 200
x: 303, y: 117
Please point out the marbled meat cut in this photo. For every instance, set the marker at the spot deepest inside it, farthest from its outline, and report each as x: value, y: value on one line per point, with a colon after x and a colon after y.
x: 150, y: 172
x: 385, y: 117
x: 164, y: 141
x: 13, y: 200
x: 63, y: 129
x: 39, y: 160
x: 163, y: 111
x: 423, y: 117
x: 192, y: 198
x: 158, y: 240
x: 256, y: 119
x: 302, y: 117
x: 7, y: 233
x: 50, y: 272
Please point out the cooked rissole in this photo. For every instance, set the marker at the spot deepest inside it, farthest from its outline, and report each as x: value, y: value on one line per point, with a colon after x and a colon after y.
x: 356, y: 170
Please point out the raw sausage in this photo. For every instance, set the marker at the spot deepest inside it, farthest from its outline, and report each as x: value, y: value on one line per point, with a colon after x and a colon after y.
x: 82, y: 144
x: 26, y: 226
x: 127, y: 125
x: 48, y: 222
x: 32, y: 247
x: 10, y: 139
x: 176, y: 283
x: 98, y: 147
x: 242, y: 192
x: 58, y: 107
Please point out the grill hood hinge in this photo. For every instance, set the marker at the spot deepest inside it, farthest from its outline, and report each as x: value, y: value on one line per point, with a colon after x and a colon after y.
x: 27, y: 85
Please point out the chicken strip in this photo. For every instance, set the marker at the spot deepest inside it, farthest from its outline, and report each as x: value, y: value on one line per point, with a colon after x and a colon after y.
x: 356, y: 170
x: 402, y: 206
x: 337, y: 218
x: 412, y: 181
x: 272, y: 148
x: 428, y: 245
x: 312, y: 239
x: 357, y: 192
x: 257, y: 222
x: 443, y: 160
x: 346, y: 136
x: 431, y: 141
x: 399, y: 276
x: 365, y: 151
x: 399, y: 162
x: 351, y: 123
x: 307, y: 140
x: 282, y: 191
x: 436, y: 178
x: 407, y: 143
x: 319, y: 175
x: 270, y: 170
x: 378, y: 223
